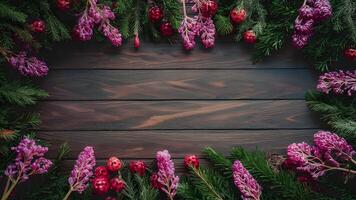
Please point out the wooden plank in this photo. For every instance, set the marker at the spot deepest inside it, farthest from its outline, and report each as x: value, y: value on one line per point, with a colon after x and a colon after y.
x: 228, y: 55
x: 178, y: 84
x: 139, y: 115
x: 144, y: 144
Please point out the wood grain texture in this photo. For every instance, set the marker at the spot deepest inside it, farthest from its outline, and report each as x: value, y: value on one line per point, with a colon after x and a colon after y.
x: 144, y: 115
x: 144, y: 144
x: 178, y: 84
x: 228, y: 55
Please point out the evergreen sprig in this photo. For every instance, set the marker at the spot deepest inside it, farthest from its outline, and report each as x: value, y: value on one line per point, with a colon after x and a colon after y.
x: 284, y: 185
x: 338, y: 112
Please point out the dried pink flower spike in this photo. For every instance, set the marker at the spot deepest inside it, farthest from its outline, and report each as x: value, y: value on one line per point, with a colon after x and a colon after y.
x: 166, y: 176
x: 244, y: 181
x: 339, y: 82
x: 207, y: 32
x: 29, y: 161
x: 330, y: 153
x: 82, y: 171
x: 28, y: 66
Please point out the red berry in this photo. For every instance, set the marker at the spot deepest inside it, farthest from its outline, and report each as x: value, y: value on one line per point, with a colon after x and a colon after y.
x: 137, y: 42
x: 38, y: 26
x: 191, y: 160
x: 154, y: 181
x: 114, y: 164
x: 166, y: 29
x: 250, y: 37
x: 155, y: 14
x: 209, y: 8
x: 237, y: 16
x: 101, y: 171
x: 350, y: 54
x: 117, y: 184
x: 101, y: 185
x: 63, y: 4
x: 138, y: 166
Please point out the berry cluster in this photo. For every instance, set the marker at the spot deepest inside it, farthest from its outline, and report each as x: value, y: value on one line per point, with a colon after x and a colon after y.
x: 311, y: 12
x: 238, y: 16
x: 155, y: 15
x: 103, y: 182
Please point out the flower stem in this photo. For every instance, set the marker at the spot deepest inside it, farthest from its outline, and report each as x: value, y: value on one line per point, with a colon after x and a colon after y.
x: 207, y: 183
x: 68, y: 194
x: 8, y: 190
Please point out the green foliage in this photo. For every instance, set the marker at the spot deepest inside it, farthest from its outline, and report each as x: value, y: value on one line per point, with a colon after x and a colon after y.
x: 338, y: 112
x: 255, y: 19
x: 207, y: 184
x: 138, y: 187
x: 10, y: 12
x: 132, y: 17
x: 329, y: 40
x: 284, y: 185
x: 279, y: 28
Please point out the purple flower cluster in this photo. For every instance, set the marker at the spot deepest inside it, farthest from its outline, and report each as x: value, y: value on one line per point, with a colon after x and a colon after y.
x: 311, y: 12
x: 83, y: 170
x: 330, y: 152
x: 195, y: 27
x: 100, y: 15
x: 207, y: 32
x: 338, y: 82
x: 28, y: 66
x: 29, y: 161
x: 165, y: 173
x: 244, y: 181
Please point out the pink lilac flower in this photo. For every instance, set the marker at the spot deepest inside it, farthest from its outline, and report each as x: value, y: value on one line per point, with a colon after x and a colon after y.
x: 310, y: 13
x: 244, y: 181
x: 322, y: 9
x: 29, y: 160
x: 112, y: 34
x: 165, y: 173
x: 207, y: 31
x: 28, y: 66
x: 306, y: 158
x: 100, y: 15
x: 339, y: 82
x: 83, y: 170
x: 188, y: 30
x: 331, y: 145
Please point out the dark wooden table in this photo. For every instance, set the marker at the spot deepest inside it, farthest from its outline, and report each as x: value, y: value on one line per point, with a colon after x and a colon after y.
x: 133, y: 103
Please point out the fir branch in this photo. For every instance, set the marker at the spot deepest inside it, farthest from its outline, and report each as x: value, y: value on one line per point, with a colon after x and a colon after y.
x: 283, y: 184
x: 20, y: 93
x: 9, y: 12
x: 223, y: 24
x: 146, y: 191
x: 338, y: 112
x: 187, y: 191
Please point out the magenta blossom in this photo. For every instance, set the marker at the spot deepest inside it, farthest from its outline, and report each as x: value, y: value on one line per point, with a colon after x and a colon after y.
x: 29, y: 161
x: 166, y: 174
x: 207, y: 32
x: 338, y: 82
x: 188, y: 30
x: 28, y: 66
x: 101, y: 15
x: 244, y: 181
x: 330, y: 152
x: 83, y: 170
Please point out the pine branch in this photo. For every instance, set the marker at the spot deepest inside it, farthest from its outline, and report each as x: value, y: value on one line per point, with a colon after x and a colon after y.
x: 187, y: 191
x: 21, y: 94
x: 339, y: 113
x: 283, y: 184
x: 223, y: 25
x: 9, y: 12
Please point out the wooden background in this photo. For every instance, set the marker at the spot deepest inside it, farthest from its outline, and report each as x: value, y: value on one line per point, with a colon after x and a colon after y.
x: 133, y: 103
